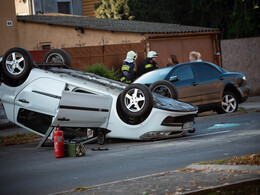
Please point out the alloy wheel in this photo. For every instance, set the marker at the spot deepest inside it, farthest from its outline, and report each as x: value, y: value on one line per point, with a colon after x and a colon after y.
x: 134, y: 100
x: 229, y: 103
x: 15, y: 63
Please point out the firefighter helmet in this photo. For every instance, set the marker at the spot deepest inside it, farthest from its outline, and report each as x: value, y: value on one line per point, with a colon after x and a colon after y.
x: 152, y: 54
x: 131, y: 55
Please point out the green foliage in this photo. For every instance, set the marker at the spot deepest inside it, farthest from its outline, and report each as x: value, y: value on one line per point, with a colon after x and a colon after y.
x: 153, y: 10
x: 115, y: 9
x: 234, y: 18
x: 102, y: 70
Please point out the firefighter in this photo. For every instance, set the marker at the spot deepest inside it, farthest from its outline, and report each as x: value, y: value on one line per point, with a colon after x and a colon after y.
x: 128, y: 70
x: 149, y: 64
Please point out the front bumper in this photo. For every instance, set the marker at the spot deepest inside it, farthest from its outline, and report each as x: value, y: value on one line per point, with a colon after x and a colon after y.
x: 171, y: 126
x: 178, y: 118
x: 244, y: 91
x: 185, y: 121
x: 157, y: 135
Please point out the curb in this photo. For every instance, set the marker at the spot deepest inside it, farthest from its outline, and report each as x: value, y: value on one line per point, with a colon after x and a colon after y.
x: 209, y: 167
x: 223, y: 187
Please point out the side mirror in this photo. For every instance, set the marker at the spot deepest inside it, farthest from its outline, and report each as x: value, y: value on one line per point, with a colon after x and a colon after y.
x: 174, y: 78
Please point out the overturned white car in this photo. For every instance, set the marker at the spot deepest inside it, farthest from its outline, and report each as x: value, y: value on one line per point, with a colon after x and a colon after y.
x: 38, y: 97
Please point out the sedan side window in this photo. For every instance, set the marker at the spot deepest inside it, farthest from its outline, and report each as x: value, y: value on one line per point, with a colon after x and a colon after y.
x: 205, y: 70
x: 184, y: 72
x: 34, y: 120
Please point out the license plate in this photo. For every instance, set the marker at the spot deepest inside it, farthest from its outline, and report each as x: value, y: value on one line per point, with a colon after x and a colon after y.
x: 188, y: 125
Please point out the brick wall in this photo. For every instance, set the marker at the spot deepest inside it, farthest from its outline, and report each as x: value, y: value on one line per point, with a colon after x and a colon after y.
x: 38, y: 55
x: 243, y: 55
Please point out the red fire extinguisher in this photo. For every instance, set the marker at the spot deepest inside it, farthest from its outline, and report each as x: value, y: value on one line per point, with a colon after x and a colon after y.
x: 58, y: 143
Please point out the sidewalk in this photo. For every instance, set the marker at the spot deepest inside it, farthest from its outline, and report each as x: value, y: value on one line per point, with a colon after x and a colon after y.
x: 251, y: 103
x: 194, y: 179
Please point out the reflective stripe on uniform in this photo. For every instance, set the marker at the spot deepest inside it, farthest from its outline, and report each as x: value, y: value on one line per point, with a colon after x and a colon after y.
x: 128, y: 81
x: 148, y: 65
x: 125, y: 68
x: 122, y: 79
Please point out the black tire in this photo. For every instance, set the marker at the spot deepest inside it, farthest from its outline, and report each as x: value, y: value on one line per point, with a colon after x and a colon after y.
x: 136, y: 100
x: 16, y: 65
x: 101, y: 137
x: 229, y: 103
x: 164, y: 88
x: 57, y: 56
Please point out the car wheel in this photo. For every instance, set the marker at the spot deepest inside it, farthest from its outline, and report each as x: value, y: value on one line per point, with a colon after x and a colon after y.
x: 228, y: 104
x: 165, y: 88
x: 136, y: 100
x: 16, y: 65
x: 57, y: 56
x: 101, y: 137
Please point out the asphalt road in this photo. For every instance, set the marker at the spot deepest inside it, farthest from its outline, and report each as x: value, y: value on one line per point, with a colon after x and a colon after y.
x: 24, y: 170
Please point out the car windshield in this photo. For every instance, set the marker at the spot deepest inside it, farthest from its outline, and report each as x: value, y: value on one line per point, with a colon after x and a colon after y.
x: 153, y: 76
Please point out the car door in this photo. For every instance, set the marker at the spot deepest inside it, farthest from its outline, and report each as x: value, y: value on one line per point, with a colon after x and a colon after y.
x: 211, y: 81
x: 37, y: 104
x: 79, y: 109
x: 187, y: 86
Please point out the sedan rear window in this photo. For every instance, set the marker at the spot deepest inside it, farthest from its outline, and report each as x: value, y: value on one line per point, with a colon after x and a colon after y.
x: 205, y: 70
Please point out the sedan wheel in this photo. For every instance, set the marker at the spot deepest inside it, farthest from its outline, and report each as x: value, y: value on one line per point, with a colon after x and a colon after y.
x: 16, y: 65
x: 136, y: 100
x: 165, y: 88
x: 228, y: 104
x: 57, y: 56
x: 101, y: 137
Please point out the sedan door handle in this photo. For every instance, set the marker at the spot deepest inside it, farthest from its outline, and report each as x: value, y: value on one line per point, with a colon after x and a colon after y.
x: 63, y: 119
x: 23, y: 101
x: 194, y: 83
x: 221, y: 78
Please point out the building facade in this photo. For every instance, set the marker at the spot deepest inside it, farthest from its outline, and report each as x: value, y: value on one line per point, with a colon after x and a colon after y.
x: 32, y: 7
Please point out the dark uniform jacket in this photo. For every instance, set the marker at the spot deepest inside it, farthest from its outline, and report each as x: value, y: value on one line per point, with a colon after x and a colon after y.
x: 147, y: 66
x: 128, y: 72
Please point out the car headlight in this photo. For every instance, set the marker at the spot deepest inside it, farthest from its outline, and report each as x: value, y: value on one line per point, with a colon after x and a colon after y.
x: 244, y: 78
